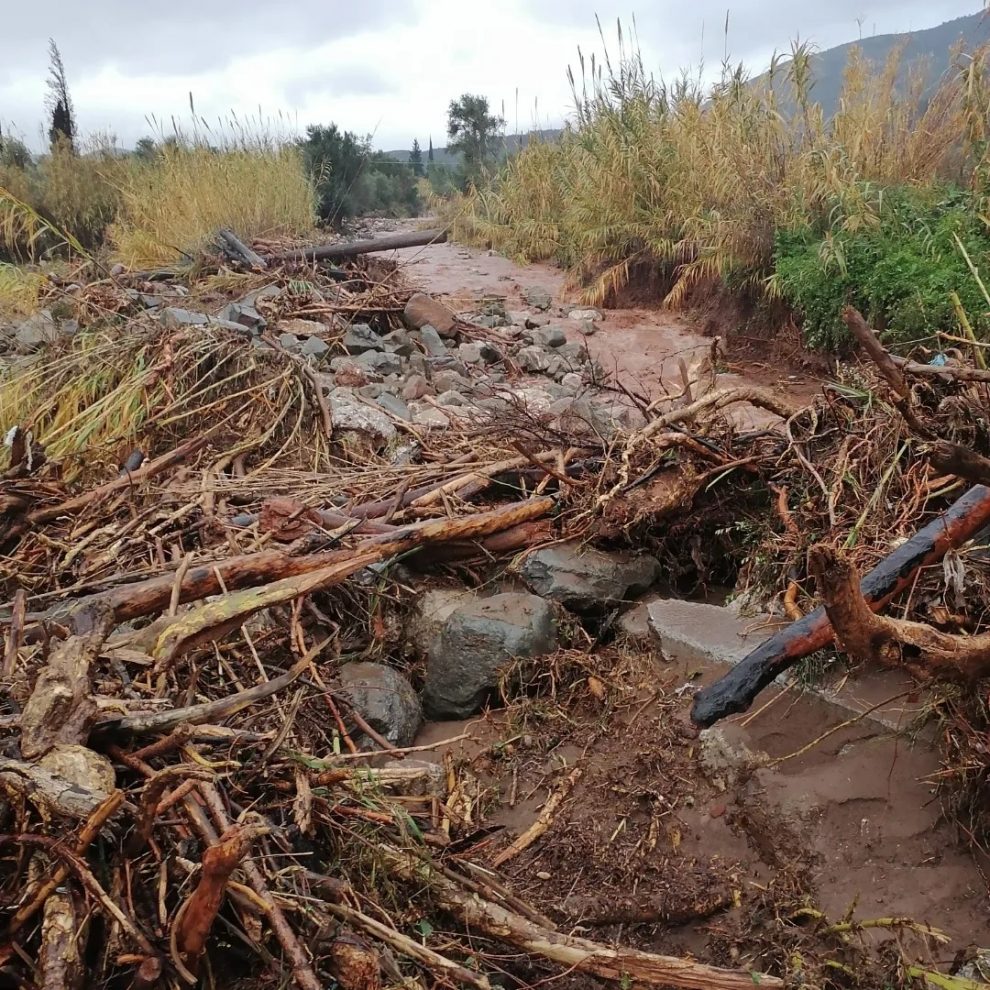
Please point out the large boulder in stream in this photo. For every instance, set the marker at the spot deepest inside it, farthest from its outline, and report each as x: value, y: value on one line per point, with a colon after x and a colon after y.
x: 583, y: 578
x: 476, y: 642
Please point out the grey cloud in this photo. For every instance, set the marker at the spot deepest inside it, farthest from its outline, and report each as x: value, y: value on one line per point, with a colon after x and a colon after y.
x: 337, y: 81
x: 180, y: 37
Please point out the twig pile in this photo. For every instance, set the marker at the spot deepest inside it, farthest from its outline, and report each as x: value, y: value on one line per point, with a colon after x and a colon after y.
x: 183, y: 798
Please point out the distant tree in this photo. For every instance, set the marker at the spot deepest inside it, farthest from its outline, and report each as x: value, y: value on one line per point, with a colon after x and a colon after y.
x: 352, y: 180
x: 473, y: 130
x: 62, y: 117
x: 14, y: 152
x: 416, y: 158
x: 146, y: 149
x: 429, y: 154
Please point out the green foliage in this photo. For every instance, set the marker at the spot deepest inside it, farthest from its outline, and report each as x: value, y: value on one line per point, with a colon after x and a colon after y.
x: 900, y: 271
x: 62, y: 117
x: 474, y: 132
x: 352, y: 180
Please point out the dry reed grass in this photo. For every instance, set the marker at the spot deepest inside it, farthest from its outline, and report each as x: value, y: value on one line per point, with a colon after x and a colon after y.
x: 697, y: 181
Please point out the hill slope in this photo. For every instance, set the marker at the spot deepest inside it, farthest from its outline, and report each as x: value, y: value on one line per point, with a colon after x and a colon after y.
x: 931, y: 46
x: 442, y: 156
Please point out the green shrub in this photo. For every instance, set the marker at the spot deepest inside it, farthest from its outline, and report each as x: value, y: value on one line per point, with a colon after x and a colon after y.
x: 899, y: 270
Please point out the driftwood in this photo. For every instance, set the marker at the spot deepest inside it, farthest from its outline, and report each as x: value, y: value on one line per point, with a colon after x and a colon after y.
x: 891, y: 642
x: 353, y: 249
x: 951, y: 458
x: 736, y: 691
x: 235, y: 248
x: 144, y: 598
x: 618, y: 965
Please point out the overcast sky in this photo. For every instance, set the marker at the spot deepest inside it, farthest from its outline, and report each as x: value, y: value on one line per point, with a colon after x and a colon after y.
x: 387, y: 67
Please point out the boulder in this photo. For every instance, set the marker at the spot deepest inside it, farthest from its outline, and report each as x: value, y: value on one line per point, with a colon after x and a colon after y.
x: 476, y: 643
x: 350, y: 415
x: 432, y: 342
x: 583, y: 578
x: 393, y: 404
x: 537, y: 297
x: 243, y: 314
x: 385, y: 699
x: 535, y: 359
x: 379, y: 362
x: 431, y: 613
x: 347, y: 373
x: 550, y: 336
x: 416, y: 387
x: 361, y: 338
x: 590, y: 313
x: 398, y: 342
x: 35, y: 332
x: 423, y: 310
x: 423, y: 414
x: 314, y: 347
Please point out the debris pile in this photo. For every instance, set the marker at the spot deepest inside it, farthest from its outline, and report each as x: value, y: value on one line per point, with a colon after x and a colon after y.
x: 228, y: 512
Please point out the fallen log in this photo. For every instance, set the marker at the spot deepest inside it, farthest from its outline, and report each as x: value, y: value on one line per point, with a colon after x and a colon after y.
x: 736, y: 691
x: 143, y: 598
x: 353, y: 249
x: 616, y: 964
x: 891, y: 642
x: 170, y: 635
x: 235, y: 248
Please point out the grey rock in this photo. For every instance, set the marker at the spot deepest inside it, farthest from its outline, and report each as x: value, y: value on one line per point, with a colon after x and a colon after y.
x: 535, y: 359
x: 410, y: 453
x: 451, y: 398
x: 418, y: 364
x: 416, y: 387
x: 174, y: 318
x: 431, y: 613
x: 583, y: 578
x: 394, y: 405
x: 517, y: 319
x: 423, y: 414
x: 450, y: 381
x: 315, y: 347
x: 537, y: 297
x: 244, y: 315
x: 398, y: 342
x: 550, y: 336
x: 601, y: 419
x: 265, y: 292
x: 385, y: 699
x: 379, y: 362
x: 490, y: 354
x: 348, y: 372
x: 470, y: 352
x: 371, y: 391
x: 587, y: 328
x: 573, y: 354
x: 35, y: 332
x: 696, y: 631
x: 432, y: 342
x: 289, y: 341
x: 368, y: 423
x: 573, y: 382
x: 589, y: 313
x: 534, y: 320
x: 361, y: 338
x: 474, y: 646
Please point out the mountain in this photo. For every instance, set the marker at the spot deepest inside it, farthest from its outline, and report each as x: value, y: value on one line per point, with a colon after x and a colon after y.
x: 511, y: 143
x: 931, y: 46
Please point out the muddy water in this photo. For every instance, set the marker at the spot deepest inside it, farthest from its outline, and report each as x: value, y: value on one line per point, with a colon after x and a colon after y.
x: 642, y: 347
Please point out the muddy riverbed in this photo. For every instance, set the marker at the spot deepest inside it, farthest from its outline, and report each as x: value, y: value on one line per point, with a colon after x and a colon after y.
x: 800, y: 811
